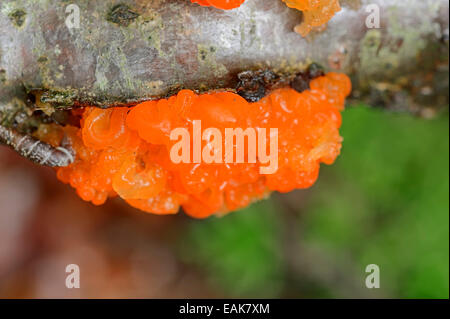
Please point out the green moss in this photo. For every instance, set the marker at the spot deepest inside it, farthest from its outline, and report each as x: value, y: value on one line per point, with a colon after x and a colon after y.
x: 239, y: 252
x: 386, y: 202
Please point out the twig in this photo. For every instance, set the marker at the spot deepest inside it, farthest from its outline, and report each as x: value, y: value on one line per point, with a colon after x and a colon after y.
x: 36, y: 150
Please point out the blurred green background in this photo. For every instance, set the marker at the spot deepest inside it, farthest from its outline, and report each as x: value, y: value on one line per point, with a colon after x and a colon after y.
x: 385, y: 201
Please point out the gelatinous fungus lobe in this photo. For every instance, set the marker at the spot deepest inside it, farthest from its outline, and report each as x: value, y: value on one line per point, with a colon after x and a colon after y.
x: 220, y: 4
x: 316, y: 13
x: 128, y: 152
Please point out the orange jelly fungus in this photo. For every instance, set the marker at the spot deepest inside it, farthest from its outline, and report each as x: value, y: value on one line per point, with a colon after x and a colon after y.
x: 125, y: 151
x: 220, y: 4
x: 316, y: 13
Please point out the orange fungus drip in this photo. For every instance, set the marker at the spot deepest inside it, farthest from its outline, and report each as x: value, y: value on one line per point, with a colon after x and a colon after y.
x: 316, y: 13
x: 126, y: 152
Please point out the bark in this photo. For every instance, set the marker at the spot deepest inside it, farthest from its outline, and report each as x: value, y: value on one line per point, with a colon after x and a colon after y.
x: 127, y: 51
